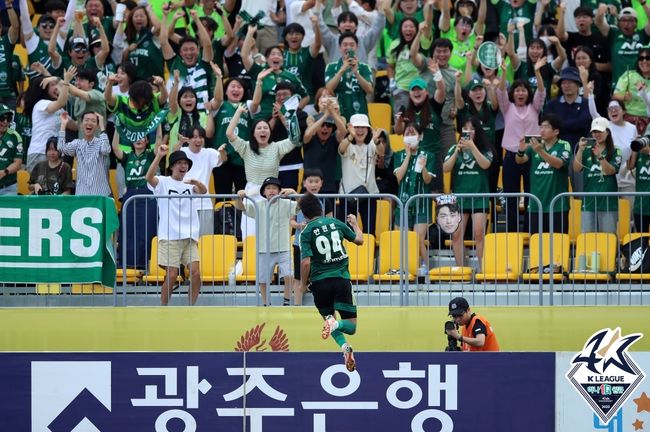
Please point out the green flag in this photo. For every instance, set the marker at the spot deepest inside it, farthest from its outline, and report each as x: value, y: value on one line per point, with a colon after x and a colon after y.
x: 57, y: 239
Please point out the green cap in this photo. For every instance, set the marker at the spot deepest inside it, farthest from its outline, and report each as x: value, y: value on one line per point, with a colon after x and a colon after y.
x: 418, y: 82
x: 473, y: 84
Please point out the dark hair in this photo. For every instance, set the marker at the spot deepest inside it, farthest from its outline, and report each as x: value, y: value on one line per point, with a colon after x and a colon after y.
x: 371, y: 3
x: 88, y: 74
x: 241, y: 83
x: 483, y: 115
x: 130, y: 71
x: 54, y: 5
x: 188, y: 119
x: 347, y: 16
x: 52, y: 142
x: 585, y: 49
x: 583, y: 11
x: 642, y: 51
x: 413, y: 124
x: 520, y: 83
x: 554, y: 120
x: 285, y: 85
x: 90, y: 112
x: 254, y: 145
x: 457, y: 8
x: 481, y: 139
x: 35, y: 93
x: 317, y: 97
x: 538, y: 41
x: 209, y: 24
x: 464, y: 19
x: 402, y: 41
x: 312, y: 172
x: 188, y: 132
x: 187, y: 39
x: 442, y: 43
x: 267, y: 52
x: 346, y: 35
x: 130, y: 31
x: 548, y: 30
x: 424, y: 110
x: 310, y: 206
x: 141, y: 93
x: 292, y: 28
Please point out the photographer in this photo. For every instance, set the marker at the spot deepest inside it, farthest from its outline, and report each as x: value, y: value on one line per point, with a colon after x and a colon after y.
x: 476, y: 334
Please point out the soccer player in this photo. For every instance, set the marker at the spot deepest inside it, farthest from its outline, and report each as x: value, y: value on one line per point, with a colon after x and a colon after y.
x: 325, y: 263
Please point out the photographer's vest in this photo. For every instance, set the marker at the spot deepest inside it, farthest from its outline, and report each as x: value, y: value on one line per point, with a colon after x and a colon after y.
x: 491, y: 343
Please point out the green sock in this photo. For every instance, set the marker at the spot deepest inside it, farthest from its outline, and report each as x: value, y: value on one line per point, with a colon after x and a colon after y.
x: 347, y: 327
x: 338, y: 337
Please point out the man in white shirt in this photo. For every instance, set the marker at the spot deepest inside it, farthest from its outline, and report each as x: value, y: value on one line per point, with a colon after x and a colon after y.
x: 203, y: 161
x: 178, y: 222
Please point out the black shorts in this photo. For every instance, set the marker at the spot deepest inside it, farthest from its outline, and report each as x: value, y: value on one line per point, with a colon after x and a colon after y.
x: 334, y: 294
x: 296, y: 262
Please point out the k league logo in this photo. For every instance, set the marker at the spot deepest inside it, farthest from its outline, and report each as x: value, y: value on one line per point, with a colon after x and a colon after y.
x: 604, y: 373
x: 71, y: 396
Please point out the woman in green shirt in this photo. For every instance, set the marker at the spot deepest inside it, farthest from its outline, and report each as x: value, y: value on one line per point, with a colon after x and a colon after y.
x: 599, y: 162
x: 401, y: 70
x: 630, y: 88
x: 469, y: 162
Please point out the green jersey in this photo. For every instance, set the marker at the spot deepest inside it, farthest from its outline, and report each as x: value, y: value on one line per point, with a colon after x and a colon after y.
x: 23, y: 126
x: 268, y: 88
x: 136, y: 167
x: 300, y: 64
x: 596, y: 181
x: 507, y: 13
x: 17, y: 75
x: 467, y: 177
x: 405, y: 71
x: 148, y: 55
x: 393, y: 29
x: 431, y: 135
x: 41, y: 56
x: 132, y: 121
x: 221, y: 122
x: 322, y: 241
x: 547, y: 182
x: 11, y: 147
x: 352, y: 98
x: 458, y: 59
x: 413, y: 183
x: 629, y: 82
x: 642, y: 175
x: 199, y: 77
x: 625, y: 50
x: 487, y: 115
x: 6, y: 67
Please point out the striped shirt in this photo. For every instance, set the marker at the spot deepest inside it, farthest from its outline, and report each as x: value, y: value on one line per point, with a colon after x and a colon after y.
x: 92, y: 175
x: 266, y: 164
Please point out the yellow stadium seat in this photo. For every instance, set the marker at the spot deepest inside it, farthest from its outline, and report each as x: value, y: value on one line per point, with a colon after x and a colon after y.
x: 380, y: 116
x: 248, y: 258
x: 383, y: 218
x: 361, y: 258
x: 396, y: 142
x: 131, y: 275
x: 93, y: 288
x: 48, y: 288
x: 561, y: 257
x: 575, y: 213
x: 217, y: 255
x: 631, y: 277
x: 390, y: 259
x: 23, y: 182
x: 451, y: 274
x: 624, y: 217
x: 605, y: 244
x: 155, y: 273
x: 502, y: 257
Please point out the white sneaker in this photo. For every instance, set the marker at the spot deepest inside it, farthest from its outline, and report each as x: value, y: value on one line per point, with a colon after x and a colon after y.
x: 423, y: 271
x: 328, y: 326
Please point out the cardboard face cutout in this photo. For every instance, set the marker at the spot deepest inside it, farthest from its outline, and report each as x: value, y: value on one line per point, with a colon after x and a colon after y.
x: 448, y: 215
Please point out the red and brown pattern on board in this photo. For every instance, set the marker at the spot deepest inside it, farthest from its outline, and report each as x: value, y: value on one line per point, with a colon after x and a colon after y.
x: 252, y: 340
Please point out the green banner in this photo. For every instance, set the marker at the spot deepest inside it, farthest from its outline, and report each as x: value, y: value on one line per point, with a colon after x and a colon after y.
x: 57, y: 239
x: 132, y: 132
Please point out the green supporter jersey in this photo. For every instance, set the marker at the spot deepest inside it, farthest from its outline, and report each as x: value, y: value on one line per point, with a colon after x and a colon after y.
x: 221, y: 122
x: 595, y: 181
x: 413, y: 182
x: 135, y: 168
x: 268, y: 88
x: 405, y: 70
x: 182, y: 121
x: 642, y: 175
x: 147, y: 57
x: 624, y: 50
x: 131, y: 119
x: 352, y: 98
x: 17, y: 75
x: 507, y: 12
x: 393, y: 29
x: 458, y: 59
x: 6, y: 67
x: 11, y: 147
x: 199, y: 77
x: 487, y: 115
x: 467, y: 177
x: 41, y: 56
x: 322, y: 241
x: 300, y: 64
x: 547, y: 182
x: 23, y: 126
x: 630, y: 81
x: 431, y: 132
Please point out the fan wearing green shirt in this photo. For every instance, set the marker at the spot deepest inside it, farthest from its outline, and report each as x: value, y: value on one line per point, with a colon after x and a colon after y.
x: 549, y: 159
x: 349, y: 79
x: 299, y: 60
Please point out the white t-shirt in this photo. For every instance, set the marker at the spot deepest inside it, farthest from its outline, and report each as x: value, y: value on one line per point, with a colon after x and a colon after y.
x: 622, y: 137
x: 202, y: 164
x: 44, y: 126
x: 178, y: 218
x: 358, y: 168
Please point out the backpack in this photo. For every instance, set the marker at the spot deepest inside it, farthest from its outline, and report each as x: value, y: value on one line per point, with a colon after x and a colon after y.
x: 635, y: 256
x: 227, y: 221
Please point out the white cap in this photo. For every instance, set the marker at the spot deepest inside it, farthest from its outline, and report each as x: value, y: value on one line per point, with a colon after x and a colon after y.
x: 359, y: 120
x: 600, y: 124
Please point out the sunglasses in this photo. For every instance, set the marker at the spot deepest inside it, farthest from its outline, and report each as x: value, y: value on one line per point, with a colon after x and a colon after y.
x: 644, y: 58
x: 79, y: 49
x: 49, y: 26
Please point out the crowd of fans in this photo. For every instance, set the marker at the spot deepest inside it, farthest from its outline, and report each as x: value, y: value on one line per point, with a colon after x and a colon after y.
x: 110, y: 81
